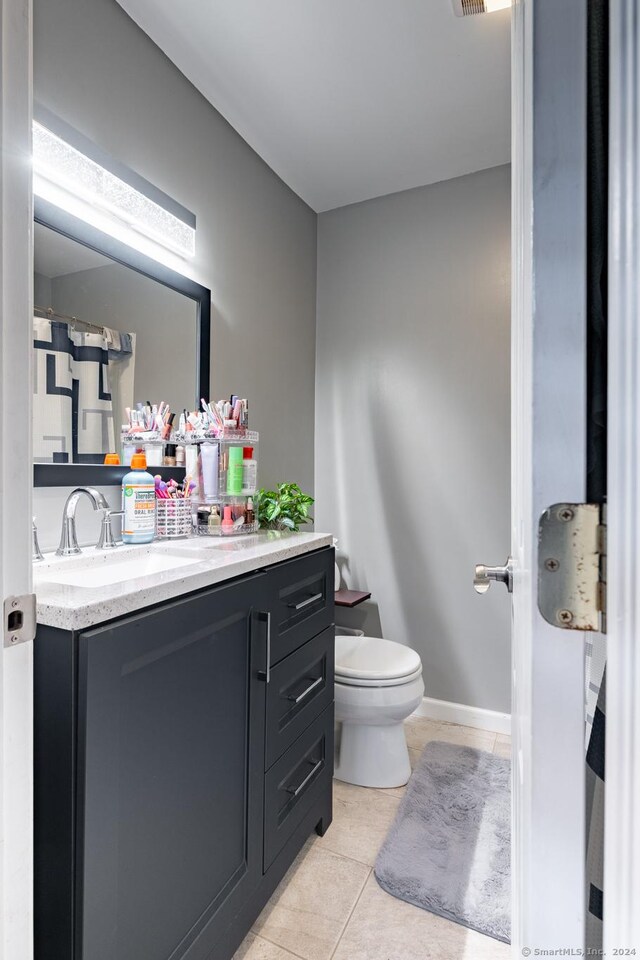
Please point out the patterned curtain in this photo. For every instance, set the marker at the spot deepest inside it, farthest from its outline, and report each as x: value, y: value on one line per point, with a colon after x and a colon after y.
x: 73, y: 411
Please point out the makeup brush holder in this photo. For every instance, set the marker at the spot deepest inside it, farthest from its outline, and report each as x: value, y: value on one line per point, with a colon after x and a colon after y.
x: 173, y: 518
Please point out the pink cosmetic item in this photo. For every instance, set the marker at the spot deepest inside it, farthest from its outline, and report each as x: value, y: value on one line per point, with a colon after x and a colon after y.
x: 166, y: 433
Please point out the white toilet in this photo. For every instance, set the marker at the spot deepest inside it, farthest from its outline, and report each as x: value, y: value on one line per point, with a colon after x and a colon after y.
x: 378, y: 684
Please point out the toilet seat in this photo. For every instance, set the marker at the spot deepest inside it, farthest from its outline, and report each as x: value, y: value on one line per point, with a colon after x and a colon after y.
x: 391, y: 682
x: 374, y: 662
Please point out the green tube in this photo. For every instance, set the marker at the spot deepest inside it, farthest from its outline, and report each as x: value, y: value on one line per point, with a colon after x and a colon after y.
x: 234, y: 473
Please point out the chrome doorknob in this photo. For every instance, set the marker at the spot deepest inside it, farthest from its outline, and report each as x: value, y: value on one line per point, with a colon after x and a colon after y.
x: 484, y: 576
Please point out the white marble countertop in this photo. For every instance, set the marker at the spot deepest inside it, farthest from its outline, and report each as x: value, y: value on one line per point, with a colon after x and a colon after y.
x: 73, y: 593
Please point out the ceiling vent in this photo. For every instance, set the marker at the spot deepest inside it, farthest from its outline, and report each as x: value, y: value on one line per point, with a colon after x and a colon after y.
x: 467, y: 8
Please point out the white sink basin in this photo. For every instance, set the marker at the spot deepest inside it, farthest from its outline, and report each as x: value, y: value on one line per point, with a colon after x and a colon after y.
x: 104, y: 570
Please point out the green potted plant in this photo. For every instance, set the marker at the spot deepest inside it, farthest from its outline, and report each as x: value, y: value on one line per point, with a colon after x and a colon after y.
x: 285, y: 508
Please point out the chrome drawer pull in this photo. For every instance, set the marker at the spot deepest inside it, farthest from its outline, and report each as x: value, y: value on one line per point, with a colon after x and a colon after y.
x: 305, y: 603
x: 308, y: 777
x: 305, y: 693
x: 266, y: 674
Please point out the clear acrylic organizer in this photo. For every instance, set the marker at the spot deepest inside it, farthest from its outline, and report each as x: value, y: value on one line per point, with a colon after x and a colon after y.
x: 225, y: 501
x: 227, y: 518
x: 152, y: 447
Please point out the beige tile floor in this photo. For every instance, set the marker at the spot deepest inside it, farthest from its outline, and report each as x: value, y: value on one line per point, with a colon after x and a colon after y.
x: 329, y: 905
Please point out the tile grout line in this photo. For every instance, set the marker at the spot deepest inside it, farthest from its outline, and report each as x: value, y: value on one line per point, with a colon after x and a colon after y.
x: 260, y: 936
x: 343, y: 856
x: 351, y: 912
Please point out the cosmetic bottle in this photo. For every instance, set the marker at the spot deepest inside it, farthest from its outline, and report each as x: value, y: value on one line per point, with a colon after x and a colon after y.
x: 234, y: 473
x: 180, y: 456
x: 138, y: 502
x: 209, y: 456
x: 203, y: 516
x: 170, y: 455
x: 227, y: 520
x: 154, y: 450
x: 191, y: 459
x: 249, y: 471
x: 249, y: 514
x: 168, y: 427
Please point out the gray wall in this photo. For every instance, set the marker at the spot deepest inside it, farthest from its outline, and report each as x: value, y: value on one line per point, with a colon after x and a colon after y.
x: 412, y: 421
x: 256, y: 240
x: 41, y: 290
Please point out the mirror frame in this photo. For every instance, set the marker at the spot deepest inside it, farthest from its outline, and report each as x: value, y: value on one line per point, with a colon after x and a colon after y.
x: 48, y: 215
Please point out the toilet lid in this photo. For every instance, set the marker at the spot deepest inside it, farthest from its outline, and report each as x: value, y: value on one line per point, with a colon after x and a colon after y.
x: 372, y: 658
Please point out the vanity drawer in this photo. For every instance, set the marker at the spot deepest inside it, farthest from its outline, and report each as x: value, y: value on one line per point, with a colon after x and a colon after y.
x: 300, y: 688
x: 302, y: 604
x: 294, y: 784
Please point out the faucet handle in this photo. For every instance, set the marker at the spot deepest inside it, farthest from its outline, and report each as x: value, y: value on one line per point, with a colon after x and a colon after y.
x: 36, y: 552
x: 68, y: 538
x: 106, y: 540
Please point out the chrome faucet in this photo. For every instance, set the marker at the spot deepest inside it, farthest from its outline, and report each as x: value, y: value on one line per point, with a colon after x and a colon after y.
x: 68, y: 538
x: 36, y: 552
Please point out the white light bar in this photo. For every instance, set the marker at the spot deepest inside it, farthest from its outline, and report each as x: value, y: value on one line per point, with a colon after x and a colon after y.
x: 75, y: 182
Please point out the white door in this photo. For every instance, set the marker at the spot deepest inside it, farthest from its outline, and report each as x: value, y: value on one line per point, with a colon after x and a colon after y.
x: 16, y: 271
x: 549, y: 464
x: 549, y: 364
x: 622, y: 786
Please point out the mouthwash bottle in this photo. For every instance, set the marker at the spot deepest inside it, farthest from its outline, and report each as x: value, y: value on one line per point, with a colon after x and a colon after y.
x: 138, y: 502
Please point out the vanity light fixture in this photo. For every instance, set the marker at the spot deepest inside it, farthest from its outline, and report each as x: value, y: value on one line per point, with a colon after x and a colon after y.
x: 116, y: 201
x: 466, y: 8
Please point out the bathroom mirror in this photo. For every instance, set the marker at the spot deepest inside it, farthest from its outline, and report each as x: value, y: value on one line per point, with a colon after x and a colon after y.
x: 111, y: 328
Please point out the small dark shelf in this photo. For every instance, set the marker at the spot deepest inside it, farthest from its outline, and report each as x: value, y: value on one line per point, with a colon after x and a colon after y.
x: 95, y: 474
x: 350, y: 598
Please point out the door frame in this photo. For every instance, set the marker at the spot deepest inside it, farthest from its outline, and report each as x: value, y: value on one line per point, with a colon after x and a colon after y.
x: 16, y: 298
x: 622, y: 783
x: 548, y: 463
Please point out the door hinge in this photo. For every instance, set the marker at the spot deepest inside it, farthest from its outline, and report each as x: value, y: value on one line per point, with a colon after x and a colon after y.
x: 19, y: 619
x: 572, y: 566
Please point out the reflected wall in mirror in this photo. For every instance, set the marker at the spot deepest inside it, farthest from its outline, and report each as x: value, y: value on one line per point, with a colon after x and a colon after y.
x: 106, y: 336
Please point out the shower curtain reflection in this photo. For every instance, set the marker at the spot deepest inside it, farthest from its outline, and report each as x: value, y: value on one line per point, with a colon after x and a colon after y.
x: 75, y: 375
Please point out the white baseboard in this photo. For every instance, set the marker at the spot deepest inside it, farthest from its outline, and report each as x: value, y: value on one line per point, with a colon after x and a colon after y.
x: 468, y: 716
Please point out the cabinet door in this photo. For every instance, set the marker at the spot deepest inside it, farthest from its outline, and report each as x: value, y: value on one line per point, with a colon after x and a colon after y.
x: 170, y: 773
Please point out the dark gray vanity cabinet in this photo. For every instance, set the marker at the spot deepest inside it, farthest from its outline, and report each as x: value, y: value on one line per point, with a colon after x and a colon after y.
x: 180, y: 764
x: 170, y: 707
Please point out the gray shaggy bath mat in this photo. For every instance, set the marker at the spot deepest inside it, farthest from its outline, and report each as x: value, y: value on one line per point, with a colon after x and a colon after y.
x: 448, y: 850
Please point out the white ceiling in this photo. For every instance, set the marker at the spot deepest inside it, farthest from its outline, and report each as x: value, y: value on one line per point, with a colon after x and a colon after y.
x: 347, y: 99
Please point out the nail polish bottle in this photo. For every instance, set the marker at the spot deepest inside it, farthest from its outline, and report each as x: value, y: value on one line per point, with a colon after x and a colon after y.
x: 227, y: 520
